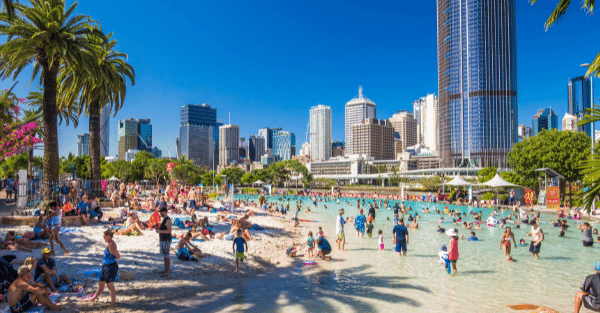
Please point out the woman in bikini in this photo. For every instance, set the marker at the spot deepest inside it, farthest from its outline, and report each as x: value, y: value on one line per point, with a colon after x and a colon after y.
x: 507, y: 237
x: 53, y: 222
x: 11, y: 236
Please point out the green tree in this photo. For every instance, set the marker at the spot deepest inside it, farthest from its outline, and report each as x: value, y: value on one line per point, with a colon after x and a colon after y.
x: 296, y: 168
x: 156, y: 170
x: 278, y: 173
x: 104, y: 90
x: 562, y: 151
x: 11, y: 165
x: 234, y: 175
x: 261, y: 174
x: 139, y: 164
x: 47, y: 36
x: 187, y: 173
x: 486, y: 174
x: 247, y: 179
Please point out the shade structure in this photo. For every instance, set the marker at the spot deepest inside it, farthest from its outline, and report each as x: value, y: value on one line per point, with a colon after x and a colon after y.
x: 258, y: 182
x: 497, y: 181
x: 113, y: 179
x: 457, y: 181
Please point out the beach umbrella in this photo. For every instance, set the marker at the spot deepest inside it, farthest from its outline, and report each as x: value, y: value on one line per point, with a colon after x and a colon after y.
x: 113, y: 179
x: 258, y: 182
x: 497, y: 182
x: 457, y: 181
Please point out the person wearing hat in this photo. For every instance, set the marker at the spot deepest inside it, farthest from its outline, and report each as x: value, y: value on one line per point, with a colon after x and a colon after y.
x: 165, y: 238
x: 400, y: 234
x: 23, y: 295
x: 339, y: 230
x: 453, y: 252
x: 589, y: 295
x: 46, y: 272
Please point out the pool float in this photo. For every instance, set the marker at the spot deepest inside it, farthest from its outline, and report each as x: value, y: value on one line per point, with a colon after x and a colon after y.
x: 310, y: 263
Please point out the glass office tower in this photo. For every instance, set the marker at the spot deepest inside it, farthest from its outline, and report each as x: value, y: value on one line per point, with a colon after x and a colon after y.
x: 579, y: 100
x: 477, y: 79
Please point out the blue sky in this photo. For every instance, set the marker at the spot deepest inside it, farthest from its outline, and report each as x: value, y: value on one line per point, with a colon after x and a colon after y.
x: 268, y: 62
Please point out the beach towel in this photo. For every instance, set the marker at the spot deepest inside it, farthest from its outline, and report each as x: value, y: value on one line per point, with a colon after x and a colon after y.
x: 179, y: 223
x: 94, y: 273
x: 39, y: 309
x: 67, y: 230
x: 67, y: 207
x: 154, y: 219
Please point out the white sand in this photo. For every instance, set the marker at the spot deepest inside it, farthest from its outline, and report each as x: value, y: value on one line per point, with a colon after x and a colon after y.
x: 140, y: 254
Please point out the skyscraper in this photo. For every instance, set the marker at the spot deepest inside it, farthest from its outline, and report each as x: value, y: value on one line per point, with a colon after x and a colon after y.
x: 256, y: 148
x: 134, y: 135
x: 425, y: 112
x: 477, y: 81
x: 197, y: 133
x: 229, y: 138
x: 406, y: 126
x: 357, y: 110
x: 374, y: 138
x: 83, y: 144
x: 544, y: 119
x: 320, y: 132
x: 524, y: 131
x: 579, y: 100
x: 284, y: 145
x: 104, y: 132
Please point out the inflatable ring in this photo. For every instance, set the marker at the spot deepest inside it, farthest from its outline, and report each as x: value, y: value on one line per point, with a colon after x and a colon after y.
x: 310, y: 263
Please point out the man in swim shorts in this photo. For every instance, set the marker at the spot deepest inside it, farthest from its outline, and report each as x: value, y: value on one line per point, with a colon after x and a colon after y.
x: 537, y: 235
x: 323, y: 249
x: 589, y: 295
x: 165, y: 238
x: 339, y: 230
x: 23, y: 294
x: 401, y: 235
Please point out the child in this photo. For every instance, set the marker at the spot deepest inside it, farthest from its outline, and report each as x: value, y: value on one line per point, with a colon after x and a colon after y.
x: 296, y: 223
x: 453, y: 253
x: 310, y: 244
x: 238, y: 249
x: 380, y: 239
x: 182, y: 249
x: 291, y: 251
x: 444, y: 257
x: 522, y: 243
x: 370, y: 228
x: 320, y: 233
x: 473, y: 237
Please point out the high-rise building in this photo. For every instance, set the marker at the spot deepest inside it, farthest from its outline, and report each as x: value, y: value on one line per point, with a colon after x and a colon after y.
x: 320, y: 132
x: 524, y: 131
x: 357, y: 110
x: 305, y: 151
x: 229, y: 150
x: 156, y: 152
x: 197, y: 134
x: 105, y: 132
x: 134, y: 135
x: 425, y: 112
x: 284, y: 145
x: 544, y: 119
x: 569, y: 122
x: 256, y: 148
x: 374, y: 138
x: 477, y: 81
x: 405, y: 125
x: 338, y: 148
x: 267, y: 134
x: 83, y: 144
x: 580, y: 100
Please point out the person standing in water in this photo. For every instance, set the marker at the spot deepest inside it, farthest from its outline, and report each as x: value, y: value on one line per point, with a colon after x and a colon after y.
x: 505, y: 241
x: 537, y: 235
x: 339, y: 230
x: 453, y: 253
x: 400, y: 234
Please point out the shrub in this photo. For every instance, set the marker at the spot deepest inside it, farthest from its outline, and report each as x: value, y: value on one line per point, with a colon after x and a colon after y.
x: 488, y: 196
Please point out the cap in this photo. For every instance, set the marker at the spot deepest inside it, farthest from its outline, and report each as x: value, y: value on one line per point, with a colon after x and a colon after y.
x: 361, y: 211
x: 597, y: 265
x: 163, y: 209
x: 46, y: 250
x: 341, y: 210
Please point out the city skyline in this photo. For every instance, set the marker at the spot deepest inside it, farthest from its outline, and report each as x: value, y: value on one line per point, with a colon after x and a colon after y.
x: 262, y: 76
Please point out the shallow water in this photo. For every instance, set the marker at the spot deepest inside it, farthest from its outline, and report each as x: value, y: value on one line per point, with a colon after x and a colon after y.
x: 364, y: 278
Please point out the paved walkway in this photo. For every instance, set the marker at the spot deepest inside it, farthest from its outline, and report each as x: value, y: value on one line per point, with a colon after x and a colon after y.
x: 5, y: 208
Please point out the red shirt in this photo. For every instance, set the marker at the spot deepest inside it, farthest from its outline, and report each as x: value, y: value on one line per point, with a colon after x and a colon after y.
x: 453, y: 253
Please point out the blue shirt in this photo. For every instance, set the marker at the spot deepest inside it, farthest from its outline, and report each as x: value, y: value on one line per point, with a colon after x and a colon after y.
x: 82, y: 207
x: 400, y: 231
x: 324, y: 245
x: 473, y: 238
x: 239, y: 244
x: 360, y: 220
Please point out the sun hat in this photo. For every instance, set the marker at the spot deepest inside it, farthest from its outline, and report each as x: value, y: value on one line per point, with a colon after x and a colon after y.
x: 597, y: 266
x: 46, y: 250
x: 452, y: 232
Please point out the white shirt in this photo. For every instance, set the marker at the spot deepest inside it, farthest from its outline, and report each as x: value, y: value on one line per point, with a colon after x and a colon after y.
x: 339, y: 225
x: 380, y: 239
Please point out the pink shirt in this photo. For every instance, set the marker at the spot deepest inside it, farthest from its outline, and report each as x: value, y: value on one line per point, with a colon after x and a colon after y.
x: 453, y: 254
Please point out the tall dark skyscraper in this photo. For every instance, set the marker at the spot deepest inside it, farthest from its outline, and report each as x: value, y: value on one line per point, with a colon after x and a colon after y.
x: 197, y: 132
x: 477, y: 79
x: 579, y: 100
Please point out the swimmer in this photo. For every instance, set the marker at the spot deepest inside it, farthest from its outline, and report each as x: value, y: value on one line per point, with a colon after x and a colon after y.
x: 505, y: 244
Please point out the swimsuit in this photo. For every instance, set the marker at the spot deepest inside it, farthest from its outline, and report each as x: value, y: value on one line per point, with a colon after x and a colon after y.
x: 23, y: 305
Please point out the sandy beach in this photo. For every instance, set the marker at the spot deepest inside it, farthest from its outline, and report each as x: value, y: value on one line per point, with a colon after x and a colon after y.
x: 189, y: 283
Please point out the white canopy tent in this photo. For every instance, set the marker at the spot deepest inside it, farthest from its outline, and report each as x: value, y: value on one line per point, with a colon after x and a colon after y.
x: 457, y: 181
x: 113, y: 179
x: 258, y: 182
x: 497, y: 182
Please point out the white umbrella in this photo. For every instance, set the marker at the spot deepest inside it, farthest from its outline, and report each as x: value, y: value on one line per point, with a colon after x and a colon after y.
x: 498, y: 182
x: 258, y: 182
x: 457, y: 181
x: 113, y: 179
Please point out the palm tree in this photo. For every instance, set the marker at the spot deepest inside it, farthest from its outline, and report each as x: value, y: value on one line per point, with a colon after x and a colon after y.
x: 103, y: 91
x: 47, y: 36
x: 10, y: 8
x: 559, y: 12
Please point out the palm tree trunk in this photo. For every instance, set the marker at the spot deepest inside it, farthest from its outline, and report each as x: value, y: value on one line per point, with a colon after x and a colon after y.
x: 49, y: 120
x: 30, y: 161
x: 95, y: 148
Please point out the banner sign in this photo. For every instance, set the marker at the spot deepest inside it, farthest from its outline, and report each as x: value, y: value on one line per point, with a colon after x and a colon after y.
x: 552, y: 198
x: 170, y: 166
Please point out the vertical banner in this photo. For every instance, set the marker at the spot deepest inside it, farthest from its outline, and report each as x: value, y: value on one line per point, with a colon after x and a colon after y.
x: 22, y: 190
x: 552, y: 198
x: 231, y: 198
x: 470, y: 193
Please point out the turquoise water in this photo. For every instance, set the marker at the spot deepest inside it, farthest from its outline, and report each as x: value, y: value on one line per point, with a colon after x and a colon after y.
x: 364, y: 278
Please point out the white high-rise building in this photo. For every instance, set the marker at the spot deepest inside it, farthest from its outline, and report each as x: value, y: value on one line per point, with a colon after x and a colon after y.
x: 104, y: 131
x: 305, y: 151
x: 425, y: 112
x: 569, y: 122
x: 357, y: 110
x: 320, y: 133
x: 229, y: 137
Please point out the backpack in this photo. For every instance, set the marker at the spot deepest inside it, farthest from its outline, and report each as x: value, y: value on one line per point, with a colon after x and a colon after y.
x: 8, y: 274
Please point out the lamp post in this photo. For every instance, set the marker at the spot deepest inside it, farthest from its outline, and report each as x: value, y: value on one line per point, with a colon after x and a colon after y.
x: 587, y: 65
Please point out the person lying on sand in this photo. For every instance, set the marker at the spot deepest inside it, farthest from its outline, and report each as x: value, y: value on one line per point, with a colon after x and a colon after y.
x: 245, y: 232
x: 186, y: 251
x: 11, y: 236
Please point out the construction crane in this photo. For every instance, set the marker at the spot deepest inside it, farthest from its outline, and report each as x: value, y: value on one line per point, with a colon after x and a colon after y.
x: 308, y: 131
